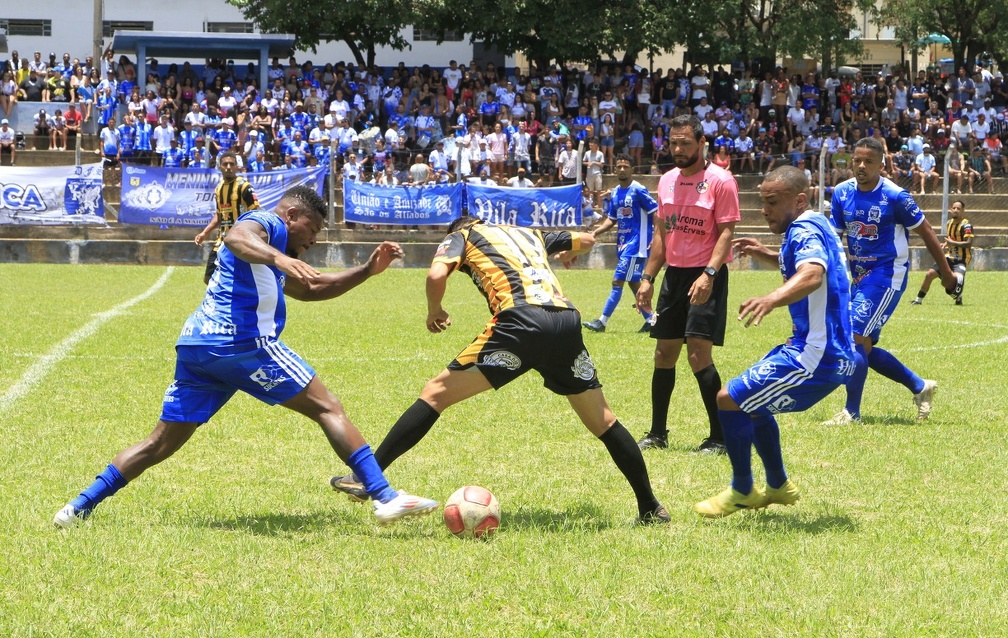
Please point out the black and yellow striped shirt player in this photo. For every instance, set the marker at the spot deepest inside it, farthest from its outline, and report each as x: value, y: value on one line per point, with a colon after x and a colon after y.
x: 958, y: 249
x: 233, y: 196
x: 533, y: 327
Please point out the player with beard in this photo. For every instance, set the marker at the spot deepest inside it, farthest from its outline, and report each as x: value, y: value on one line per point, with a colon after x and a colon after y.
x: 877, y: 216
x: 698, y: 208
x: 232, y: 342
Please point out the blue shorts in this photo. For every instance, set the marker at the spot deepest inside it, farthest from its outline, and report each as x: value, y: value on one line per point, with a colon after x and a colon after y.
x: 871, y: 307
x: 206, y: 378
x: 630, y: 269
x: 778, y: 383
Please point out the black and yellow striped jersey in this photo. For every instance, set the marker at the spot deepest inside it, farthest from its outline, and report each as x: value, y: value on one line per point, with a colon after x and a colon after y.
x: 510, y: 265
x: 233, y: 198
x: 959, y: 230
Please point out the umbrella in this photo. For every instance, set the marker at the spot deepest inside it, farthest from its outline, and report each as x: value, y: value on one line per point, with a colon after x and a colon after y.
x: 934, y: 38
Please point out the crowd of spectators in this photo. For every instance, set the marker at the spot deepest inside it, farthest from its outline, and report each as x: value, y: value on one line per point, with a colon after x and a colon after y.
x: 383, y: 124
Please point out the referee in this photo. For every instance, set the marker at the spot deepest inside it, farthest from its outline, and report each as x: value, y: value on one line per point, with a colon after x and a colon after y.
x: 233, y: 196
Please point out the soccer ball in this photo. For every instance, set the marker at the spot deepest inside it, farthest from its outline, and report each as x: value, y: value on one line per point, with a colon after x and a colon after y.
x: 472, y: 511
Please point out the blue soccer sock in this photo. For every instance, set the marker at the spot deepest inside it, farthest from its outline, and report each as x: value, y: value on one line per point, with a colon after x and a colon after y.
x: 738, y: 439
x: 856, y: 383
x: 364, y: 466
x: 766, y: 440
x: 889, y: 366
x: 610, y: 304
x: 105, y: 485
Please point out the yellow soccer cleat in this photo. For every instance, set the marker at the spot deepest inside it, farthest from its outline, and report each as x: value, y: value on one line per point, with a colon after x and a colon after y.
x: 730, y: 501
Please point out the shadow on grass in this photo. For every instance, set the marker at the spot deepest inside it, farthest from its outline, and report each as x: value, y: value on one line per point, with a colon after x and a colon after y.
x: 580, y: 518
x: 891, y: 421
x: 775, y: 522
x: 340, y: 523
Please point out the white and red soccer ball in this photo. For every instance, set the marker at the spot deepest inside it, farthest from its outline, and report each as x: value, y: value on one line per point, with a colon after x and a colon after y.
x: 472, y: 512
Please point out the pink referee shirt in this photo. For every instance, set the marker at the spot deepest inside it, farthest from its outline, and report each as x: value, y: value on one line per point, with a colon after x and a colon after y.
x: 691, y: 207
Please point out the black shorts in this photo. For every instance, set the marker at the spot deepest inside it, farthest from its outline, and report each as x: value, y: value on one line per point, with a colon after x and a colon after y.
x: 955, y: 264
x: 532, y: 338
x: 679, y: 319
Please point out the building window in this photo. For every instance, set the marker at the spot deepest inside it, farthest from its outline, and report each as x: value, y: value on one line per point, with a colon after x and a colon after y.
x: 423, y: 35
x: 228, y: 27
x: 26, y: 27
x: 109, y: 27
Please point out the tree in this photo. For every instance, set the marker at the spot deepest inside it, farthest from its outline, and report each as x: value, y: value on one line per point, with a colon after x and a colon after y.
x: 973, y: 26
x: 362, y: 24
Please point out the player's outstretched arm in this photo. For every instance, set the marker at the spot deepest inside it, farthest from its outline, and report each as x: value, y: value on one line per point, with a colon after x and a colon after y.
x: 437, y: 282
x: 586, y: 241
x: 249, y: 242
x: 214, y: 223
x: 807, y: 278
x: 333, y: 284
x: 749, y: 247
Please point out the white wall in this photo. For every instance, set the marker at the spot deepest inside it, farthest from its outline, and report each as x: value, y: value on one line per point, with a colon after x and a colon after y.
x: 72, y: 23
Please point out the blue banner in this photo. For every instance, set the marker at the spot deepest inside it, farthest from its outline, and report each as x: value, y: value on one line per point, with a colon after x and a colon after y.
x: 185, y: 196
x: 428, y: 205
x: 52, y: 195
x: 558, y: 207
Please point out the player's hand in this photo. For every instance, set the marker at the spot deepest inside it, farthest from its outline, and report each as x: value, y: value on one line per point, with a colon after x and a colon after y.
x: 644, y: 294
x: 749, y: 247
x: 566, y: 258
x: 701, y: 289
x: 755, y: 309
x: 299, y: 270
x: 200, y: 238
x: 383, y: 255
x: 438, y: 320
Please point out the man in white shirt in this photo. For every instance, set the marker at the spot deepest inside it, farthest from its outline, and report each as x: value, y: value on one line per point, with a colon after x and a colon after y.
x: 521, y: 180
x: 520, y: 145
x: 452, y: 76
x: 962, y: 132
x: 795, y: 117
x: 924, y: 169
x: 162, y: 136
x: 594, y: 161
x: 567, y: 163
x: 440, y: 163
x: 339, y: 106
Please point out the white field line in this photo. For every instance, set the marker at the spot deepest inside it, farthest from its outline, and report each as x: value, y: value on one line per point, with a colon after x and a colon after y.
x: 43, y: 364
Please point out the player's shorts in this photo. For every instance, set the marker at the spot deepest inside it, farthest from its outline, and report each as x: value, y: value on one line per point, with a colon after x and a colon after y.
x: 211, y: 264
x: 955, y: 264
x: 630, y: 269
x: 205, y: 378
x: 871, y: 307
x: 593, y: 182
x: 532, y: 338
x: 778, y: 383
x: 679, y: 319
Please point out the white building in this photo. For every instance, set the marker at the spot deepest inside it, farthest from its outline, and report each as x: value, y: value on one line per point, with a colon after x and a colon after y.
x: 59, y: 26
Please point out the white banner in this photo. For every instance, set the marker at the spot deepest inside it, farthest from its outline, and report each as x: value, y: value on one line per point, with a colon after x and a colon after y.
x: 52, y: 195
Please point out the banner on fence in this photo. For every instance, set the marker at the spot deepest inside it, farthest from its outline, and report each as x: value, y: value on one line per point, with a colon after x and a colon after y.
x: 557, y: 207
x: 185, y: 196
x: 427, y: 205
x: 52, y: 195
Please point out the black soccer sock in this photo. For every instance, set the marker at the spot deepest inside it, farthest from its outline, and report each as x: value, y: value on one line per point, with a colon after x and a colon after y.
x: 662, y: 385
x: 628, y: 458
x: 413, y: 425
x: 710, y: 383
x: 921, y: 294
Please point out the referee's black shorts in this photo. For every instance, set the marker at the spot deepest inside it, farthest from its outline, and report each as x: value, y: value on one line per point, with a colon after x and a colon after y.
x: 679, y: 319
x: 527, y: 338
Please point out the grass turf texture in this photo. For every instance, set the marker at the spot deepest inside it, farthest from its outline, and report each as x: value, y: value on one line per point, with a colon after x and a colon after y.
x: 900, y: 530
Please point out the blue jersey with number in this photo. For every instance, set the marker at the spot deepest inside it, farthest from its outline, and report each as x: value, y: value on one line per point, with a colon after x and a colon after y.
x: 243, y: 301
x: 822, y: 323
x: 878, y: 225
x: 633, y: 209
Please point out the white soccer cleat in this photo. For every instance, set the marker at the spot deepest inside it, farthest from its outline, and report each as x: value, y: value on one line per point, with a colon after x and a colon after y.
x: 67, y: 518
x: 403, y: 505
x: 842, y: 418
x: 923, y: 399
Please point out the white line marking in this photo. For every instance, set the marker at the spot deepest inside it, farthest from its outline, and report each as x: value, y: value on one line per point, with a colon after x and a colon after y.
x: 43, y: 364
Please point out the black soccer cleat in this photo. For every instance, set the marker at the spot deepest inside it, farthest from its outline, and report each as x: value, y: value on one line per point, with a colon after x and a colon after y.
x: 656, y: 441
x: 657, y: 516
x: 594, y: 325
x: 710, y: 446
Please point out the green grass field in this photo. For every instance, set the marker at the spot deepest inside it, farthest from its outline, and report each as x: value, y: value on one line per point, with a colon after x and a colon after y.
x: 900, y: 531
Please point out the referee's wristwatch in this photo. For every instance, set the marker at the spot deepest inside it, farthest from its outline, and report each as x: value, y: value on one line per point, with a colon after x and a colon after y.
x: 710, y: 272
x: 648, y: 278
